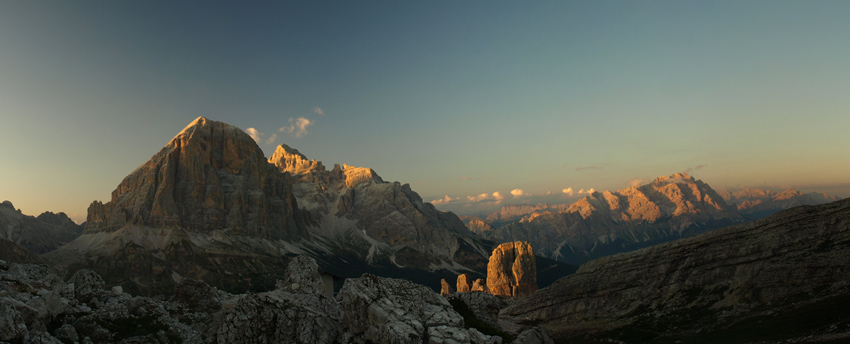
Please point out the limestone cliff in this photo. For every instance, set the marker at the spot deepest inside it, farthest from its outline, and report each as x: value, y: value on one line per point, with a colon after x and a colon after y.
x: 512, y: 270
x: 210, y: 176
x: 778, y: 278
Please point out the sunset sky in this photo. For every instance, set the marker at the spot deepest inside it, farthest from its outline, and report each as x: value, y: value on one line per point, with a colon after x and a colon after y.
x: 458, y: 98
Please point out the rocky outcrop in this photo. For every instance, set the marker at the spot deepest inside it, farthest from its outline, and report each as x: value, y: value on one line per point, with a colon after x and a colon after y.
x: 87, y: 285
x: 384, y: 310
x: 766, y: 273
x: 39, y: 234
x: 512, y: 270
x: 480, y: 285
x: 463, y: 283
x: 302, y: 276
x: 281, y: 317
x: 445, y: 288
x: 605, y: 223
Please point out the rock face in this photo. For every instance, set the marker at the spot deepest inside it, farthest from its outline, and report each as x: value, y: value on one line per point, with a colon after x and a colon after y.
x: 385, y: 310
x: 772, y: 272
x: 298, y: 312
x: 605, y: 223
x: 463, y: 283
x: 302, y: 276
x: 38, y: 234
x: 210, y: 176
x: 512, y: 270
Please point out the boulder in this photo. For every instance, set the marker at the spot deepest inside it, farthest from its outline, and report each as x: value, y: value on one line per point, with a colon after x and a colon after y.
x: 87, y: 285
x: 512, y: 270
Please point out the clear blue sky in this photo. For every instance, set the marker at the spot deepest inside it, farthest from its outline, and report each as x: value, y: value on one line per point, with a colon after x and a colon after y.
x: 457, y: 98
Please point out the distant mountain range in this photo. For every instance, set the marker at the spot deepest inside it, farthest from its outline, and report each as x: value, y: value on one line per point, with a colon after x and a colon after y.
x: 605, y: 223
x: 39, y: 234
x: 758, y: 203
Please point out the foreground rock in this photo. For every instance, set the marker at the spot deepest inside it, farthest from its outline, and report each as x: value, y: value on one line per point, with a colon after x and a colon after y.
x: 384, y: 310
x: 782, y: 278
x: 512, y: 270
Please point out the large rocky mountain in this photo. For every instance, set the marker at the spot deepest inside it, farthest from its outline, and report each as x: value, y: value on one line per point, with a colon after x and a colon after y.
x: 210, y: 206
x: 604, y: 223
x: 356, y: 212
x: 780, y: 279
x: 757, y: 203
x: 38, y: 234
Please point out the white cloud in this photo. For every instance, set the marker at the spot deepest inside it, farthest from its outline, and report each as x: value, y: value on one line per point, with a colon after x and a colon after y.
x: 637, y: 182
x: 485, y: 197
x: 569, y: 191
x: 498, y: 196
x: 255, y: 134
x: 444, y: 200
x: 517, y: 192
x: 317, y: 110
x: 271, y: 139
x: 588, y: 191
x: 297, y: 126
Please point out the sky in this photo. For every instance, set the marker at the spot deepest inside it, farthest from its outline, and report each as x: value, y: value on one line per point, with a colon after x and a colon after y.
x: 468, y: 101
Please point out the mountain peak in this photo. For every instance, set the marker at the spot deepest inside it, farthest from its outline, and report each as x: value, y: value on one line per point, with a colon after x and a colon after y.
x: 677, y: 178
x: 288, y: 159
x: 211, y: 175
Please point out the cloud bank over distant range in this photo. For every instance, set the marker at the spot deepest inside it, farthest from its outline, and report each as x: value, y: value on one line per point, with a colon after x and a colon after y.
x: 297, y: 127
x: 483, y: 202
